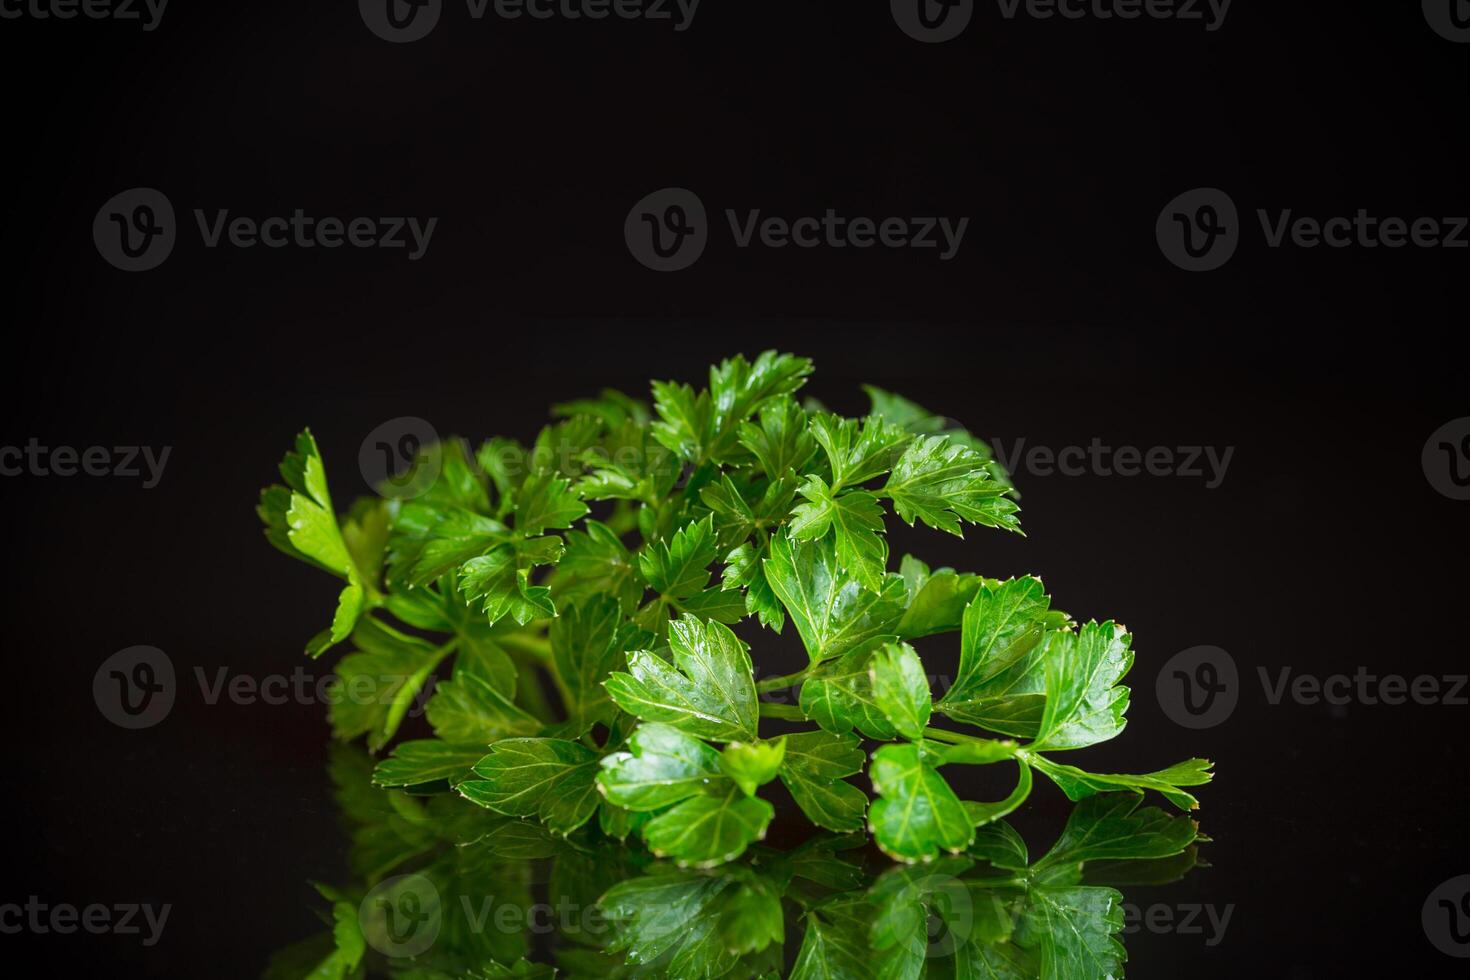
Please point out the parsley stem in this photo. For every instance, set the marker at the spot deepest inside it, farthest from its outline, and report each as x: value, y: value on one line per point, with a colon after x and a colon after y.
x: 955, y: 738
x: 782, y: 682
x: 537, y: 646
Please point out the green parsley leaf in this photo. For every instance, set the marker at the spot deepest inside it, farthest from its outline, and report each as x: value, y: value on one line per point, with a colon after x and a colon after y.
x: 1000, y: 684
x: 300, y: 521
x: 1079, y: 785
x: 782, y: 443
x: 936, y: 600
x: 752, y: 765
x: 708, y: 691
x: 1113, y: 828
x: 1085, y: 703
x: 832, y: 610
x: 375, y: 685
x: 835, y: 944
x: 662, y: 767
x: 858, y: 451
x: 855, y: 518
x: 427, y: 761
x: 586, y: 646
x: 704, y: 831
x: 470, y: 708
x: 942, y: 483
x: 500, y: 582
x: 548, y: 778
x: 597, y: 563
x: 665, y: 924
x: 838, y: 694
x: 1074, y: 930
x: 814, y: 769
x: 900, y: 689
x: 917, y: 814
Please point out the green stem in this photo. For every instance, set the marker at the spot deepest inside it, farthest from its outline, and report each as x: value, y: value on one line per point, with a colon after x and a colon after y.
x: 789, y: 712
x: 782, y: 682
x: 405, y: 695
x: 528, y: 643
x: 530, y: 691
x: 531, y: 652
x: 953, y: 738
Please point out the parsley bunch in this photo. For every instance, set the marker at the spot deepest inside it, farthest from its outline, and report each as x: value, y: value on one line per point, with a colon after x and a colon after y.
x: 582, y: 668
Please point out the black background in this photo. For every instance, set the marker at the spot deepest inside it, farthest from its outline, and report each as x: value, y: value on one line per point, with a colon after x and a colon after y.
x: 1059, y: 321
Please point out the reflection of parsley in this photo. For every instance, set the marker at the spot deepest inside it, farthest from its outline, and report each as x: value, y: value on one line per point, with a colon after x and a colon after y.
x: 993, y: 911
x: 589, y: 668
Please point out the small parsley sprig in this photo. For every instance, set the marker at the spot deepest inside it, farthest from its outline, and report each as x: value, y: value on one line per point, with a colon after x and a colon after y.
x: 582, y: 669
